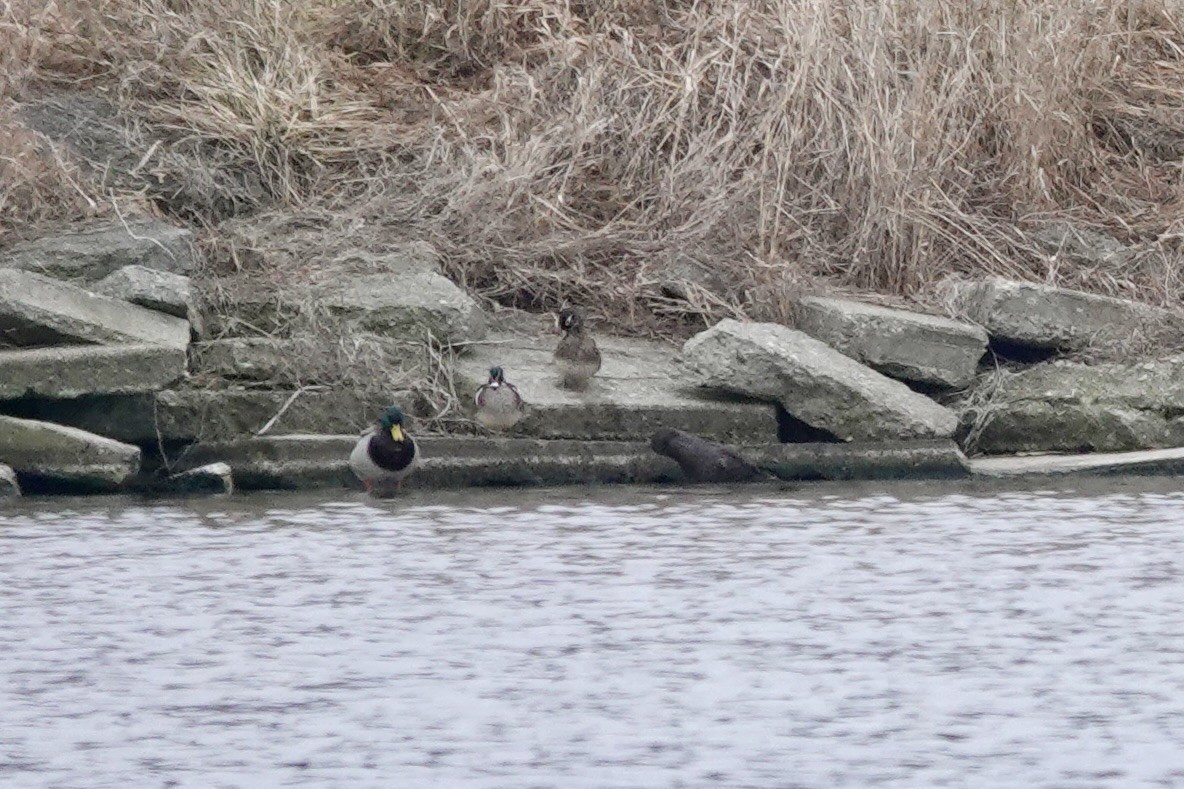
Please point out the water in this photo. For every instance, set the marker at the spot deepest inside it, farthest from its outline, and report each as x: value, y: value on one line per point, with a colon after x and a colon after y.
x: 909, y: 636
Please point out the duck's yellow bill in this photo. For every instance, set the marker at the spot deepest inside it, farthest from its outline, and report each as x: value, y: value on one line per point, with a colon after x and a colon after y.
x: 396, y: 433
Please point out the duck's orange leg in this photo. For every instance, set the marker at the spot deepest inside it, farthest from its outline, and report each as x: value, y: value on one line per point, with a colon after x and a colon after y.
x: 369, y: 485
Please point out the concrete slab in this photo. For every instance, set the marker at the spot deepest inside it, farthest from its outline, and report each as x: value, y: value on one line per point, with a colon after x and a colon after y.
x: 54, y: 455
x: 300, y: 462
x: 908, y: 346
x: 815, y: 383
x: 162, y: 291
x: 639, y: 389
x: 1168, y: 462
x: 39, y: 311
x: 1049, y: 318
x: 78, y: 370
x: 92, y: 252
x: 321, y: 461
x: 181, y: 415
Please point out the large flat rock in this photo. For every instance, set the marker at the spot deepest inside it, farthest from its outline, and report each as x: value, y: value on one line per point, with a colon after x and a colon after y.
x: 39, y: 311
x: 182, y: 415
x: 1049, y: 318
x: 55, y: 454
x: 1167, y: 462
x: 813, y: 382
x: 93, y: 252
x: 639, y: 389
x: 321, y: 461
x: 909, y: 346
x: 78, y: 370
x: 1067, y: 407
x: 406, y: 306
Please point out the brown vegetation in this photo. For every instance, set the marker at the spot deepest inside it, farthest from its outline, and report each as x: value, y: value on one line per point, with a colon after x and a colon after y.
x: 560, y: 150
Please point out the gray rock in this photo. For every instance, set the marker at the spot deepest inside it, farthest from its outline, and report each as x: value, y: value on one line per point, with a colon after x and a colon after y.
x: 212, y: 479
x: 1044, y: 317
x: 940, y: 459
x: 104, y: 247
x: 1151, y: 462
x: 37, y: 311
x: 406, y: 306
x: 905, y: 345
x: 162, y: 291
x: 1064, y: 407
x: 80, y: 370
x: 639, y: 390
x: 815, y: 383
x: 321, y: 461
x: 182, y: 415
x: 245, y: 358
x: 9, y: 487
x: 59, y: 454
x: 1080, y: 244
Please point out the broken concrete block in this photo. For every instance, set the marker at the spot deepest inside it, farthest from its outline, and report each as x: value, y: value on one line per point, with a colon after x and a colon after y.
x: 639, y: 390
x: 77, y: 370
x: 54, y: 454
x: 155, y: 290
x: 39, y: 311
x: 908, y: 346
x: 93, y: 252
x: 813, y: 382
x: 1043, y: 317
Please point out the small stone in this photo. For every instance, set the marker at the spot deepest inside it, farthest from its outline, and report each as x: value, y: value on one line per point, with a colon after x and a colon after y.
x: 212, y: 478
x: 813, y: 382
x: 9, y: 487
x: 155, y: 290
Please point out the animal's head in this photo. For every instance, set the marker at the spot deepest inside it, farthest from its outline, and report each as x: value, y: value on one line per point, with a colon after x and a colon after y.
x: 497, y: 376
x: 568, y: 320
x: 392, y: 421
x: 662, y: 440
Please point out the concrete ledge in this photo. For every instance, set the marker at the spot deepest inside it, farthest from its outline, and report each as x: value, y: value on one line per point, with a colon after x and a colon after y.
x: 1154, y: 462
x: 308, y: 461
x: 936, y: 459
x: 77, y: 370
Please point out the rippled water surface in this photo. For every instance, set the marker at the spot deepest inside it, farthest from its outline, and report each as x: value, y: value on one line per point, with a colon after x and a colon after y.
x: 826, y: 636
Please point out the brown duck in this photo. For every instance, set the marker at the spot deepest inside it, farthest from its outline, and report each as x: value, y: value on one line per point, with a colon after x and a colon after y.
x: 576, y: 356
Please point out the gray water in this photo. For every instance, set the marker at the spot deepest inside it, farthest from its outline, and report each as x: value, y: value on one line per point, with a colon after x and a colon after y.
x: 827, y: 636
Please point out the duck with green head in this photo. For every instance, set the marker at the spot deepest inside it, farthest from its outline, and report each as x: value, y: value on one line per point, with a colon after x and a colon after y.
x: 385, y: 454
x: 499, y: 403
x: 576, y: 355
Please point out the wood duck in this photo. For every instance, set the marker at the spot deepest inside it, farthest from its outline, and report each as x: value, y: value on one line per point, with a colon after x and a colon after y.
x: 576, y: 356
x: 385, y: 454
x: 499, y: 403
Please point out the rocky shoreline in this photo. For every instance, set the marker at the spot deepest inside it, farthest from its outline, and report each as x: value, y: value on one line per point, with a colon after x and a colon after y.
x: 112, y: 379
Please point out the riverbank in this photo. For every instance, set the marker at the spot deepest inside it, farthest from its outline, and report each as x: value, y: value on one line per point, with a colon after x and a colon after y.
x: 111, y: 382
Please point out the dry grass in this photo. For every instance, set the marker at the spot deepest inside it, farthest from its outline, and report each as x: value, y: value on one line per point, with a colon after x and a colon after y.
x: 556, y: 150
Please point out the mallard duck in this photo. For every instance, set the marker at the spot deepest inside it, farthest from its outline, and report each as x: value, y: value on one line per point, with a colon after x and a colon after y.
x: 499, y: 403
x: 702, y: 460
x: 385, y: 453
x: 576, y: 356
